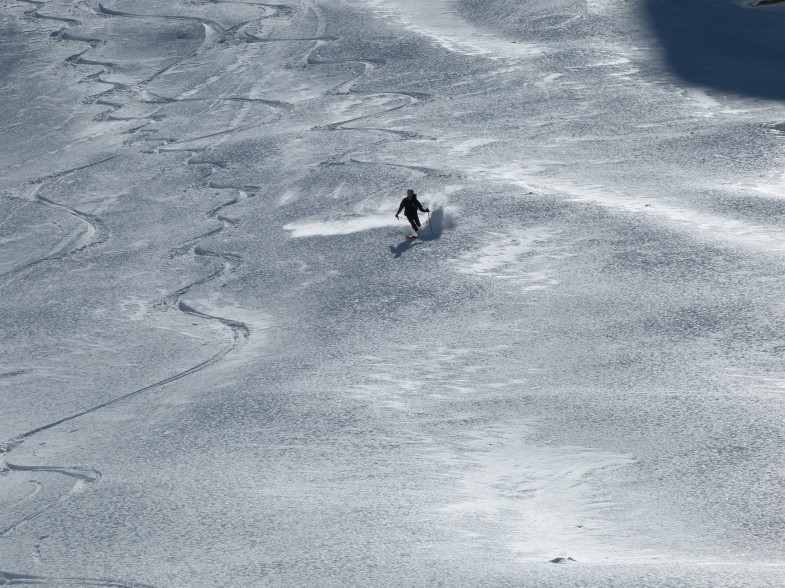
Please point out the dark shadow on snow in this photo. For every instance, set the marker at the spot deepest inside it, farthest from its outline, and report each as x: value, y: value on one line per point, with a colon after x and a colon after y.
x: 730, y: 47
x: 430, y: 231
x: 402, y: 247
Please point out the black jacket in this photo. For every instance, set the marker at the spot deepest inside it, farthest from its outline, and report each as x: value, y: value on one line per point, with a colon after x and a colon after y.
x: 410, y: 207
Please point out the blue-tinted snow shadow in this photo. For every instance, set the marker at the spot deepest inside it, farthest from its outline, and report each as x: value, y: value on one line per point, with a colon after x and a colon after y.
x: 727, y: 46
x: 430, y: 231
x: 401, y: 248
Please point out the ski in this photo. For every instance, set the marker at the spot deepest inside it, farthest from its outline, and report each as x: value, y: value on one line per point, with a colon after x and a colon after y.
x: 410, y: 237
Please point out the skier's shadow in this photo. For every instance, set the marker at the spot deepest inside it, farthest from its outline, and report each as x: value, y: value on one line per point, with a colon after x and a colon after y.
x: 402, y: 247
x: 430, y: 232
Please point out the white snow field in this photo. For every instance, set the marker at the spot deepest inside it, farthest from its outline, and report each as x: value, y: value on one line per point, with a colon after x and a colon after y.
x: 221, y: 364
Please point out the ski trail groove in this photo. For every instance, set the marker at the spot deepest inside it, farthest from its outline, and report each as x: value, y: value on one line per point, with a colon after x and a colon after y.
x: 110, y: 12
x: 347, y: 88
x: 84, y: 476
x: 13, y: 373
x: 95, y: 233
x: 240, y: 332
x: 215, y: 33
x: 38, y: 5
x: 10, y: 579
x: 287, y: 106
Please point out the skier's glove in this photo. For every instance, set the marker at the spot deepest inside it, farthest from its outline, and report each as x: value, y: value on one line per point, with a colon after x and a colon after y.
x: 396, y: 216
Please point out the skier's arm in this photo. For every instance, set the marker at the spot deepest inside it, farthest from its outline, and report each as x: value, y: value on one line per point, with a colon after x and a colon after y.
x: 400, y: 208
x: 421, y: 208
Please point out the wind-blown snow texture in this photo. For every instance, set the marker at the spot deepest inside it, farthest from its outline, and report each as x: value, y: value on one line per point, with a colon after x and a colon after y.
x: 222, y: 364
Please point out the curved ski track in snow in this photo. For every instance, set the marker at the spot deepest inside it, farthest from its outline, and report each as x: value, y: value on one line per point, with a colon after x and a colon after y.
x: 347, y: 88
x: 9, y: 579
x: 214, y: 33
x: 84, y: 477
x: 96, y: 235
x: 38, y: 5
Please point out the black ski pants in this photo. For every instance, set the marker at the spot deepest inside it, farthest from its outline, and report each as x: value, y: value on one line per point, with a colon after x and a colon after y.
x: 414, y: 219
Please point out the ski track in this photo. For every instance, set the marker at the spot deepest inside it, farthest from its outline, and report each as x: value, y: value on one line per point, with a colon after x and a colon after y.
x: 347, y: 88
x: 9, y: 579
x: 204, y: 21
x: 38, y: 5
x: 215, y: 33
x: 96, y: 235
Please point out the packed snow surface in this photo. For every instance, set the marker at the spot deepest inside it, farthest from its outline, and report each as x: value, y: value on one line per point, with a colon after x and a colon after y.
x: 222, y: 364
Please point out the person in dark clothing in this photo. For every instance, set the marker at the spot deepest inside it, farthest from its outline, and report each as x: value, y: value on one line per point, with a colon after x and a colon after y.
x: 410, y: 205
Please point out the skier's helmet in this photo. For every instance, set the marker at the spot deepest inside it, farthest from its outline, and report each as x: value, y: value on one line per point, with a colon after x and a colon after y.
x: 410, y: 192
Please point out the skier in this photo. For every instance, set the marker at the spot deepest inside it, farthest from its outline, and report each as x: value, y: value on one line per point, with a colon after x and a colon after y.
x: 410, y: 205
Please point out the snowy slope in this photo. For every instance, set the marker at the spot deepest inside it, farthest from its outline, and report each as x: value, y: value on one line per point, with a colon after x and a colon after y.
x: 223, y: 365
